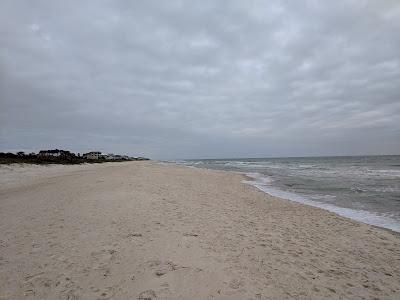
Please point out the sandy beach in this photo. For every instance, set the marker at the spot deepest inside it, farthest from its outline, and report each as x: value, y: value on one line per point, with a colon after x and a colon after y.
x: 144, y: 230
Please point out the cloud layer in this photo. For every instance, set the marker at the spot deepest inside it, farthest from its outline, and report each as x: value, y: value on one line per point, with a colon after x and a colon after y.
x: 181, y: 79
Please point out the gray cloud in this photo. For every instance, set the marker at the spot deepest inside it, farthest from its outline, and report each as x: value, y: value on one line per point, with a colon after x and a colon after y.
x: 201, y: 79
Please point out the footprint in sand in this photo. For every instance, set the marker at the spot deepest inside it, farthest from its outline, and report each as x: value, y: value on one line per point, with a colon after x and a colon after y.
x: 147, y: 295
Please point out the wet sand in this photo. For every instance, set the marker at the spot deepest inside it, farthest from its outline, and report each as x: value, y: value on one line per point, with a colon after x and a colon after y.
x: 141, y: 230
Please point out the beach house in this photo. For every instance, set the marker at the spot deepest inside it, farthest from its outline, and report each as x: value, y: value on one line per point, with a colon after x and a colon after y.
x: 92, y: 155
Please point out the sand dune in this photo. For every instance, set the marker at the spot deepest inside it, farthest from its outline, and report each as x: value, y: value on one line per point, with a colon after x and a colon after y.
x: 141, y: 230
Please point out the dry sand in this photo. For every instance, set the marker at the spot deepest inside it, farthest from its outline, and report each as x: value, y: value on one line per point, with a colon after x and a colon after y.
x: 141, y: 230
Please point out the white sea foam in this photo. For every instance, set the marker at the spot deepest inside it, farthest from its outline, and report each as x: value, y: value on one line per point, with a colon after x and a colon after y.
x: 264, y: 184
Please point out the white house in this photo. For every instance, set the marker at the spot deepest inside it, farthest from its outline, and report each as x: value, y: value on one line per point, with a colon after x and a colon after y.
x: 92, y: 155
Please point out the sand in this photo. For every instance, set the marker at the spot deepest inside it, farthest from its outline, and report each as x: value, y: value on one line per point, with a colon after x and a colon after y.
x: 142, y: 230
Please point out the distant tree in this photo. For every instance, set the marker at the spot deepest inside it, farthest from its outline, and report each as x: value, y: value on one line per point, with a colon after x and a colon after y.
x: 21, y: 153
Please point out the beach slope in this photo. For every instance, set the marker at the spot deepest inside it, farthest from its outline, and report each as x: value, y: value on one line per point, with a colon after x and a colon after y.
x: 143, y: 230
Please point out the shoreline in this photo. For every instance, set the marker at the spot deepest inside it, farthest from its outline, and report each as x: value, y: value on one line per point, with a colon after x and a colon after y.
x: 143, y: 229
x: 309, y: 203
x: 357, y: 215
x: 248, y: 178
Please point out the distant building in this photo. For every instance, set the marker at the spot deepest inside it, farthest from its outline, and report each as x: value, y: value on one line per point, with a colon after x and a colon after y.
x: 55, y: 153
x: 111, y: 156
x: 92, y: 155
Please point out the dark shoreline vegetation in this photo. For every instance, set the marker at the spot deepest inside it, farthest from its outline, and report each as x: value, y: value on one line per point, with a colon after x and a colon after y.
x: 71, y: 159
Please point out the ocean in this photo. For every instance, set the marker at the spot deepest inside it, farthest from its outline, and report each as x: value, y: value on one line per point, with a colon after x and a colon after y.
x: 364, y: 188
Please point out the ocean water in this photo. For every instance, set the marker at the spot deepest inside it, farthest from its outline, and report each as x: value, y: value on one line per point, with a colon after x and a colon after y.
x: 364, y: 188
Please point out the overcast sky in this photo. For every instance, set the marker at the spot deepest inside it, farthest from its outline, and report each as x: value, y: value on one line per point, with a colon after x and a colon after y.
x: 197, y: 79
